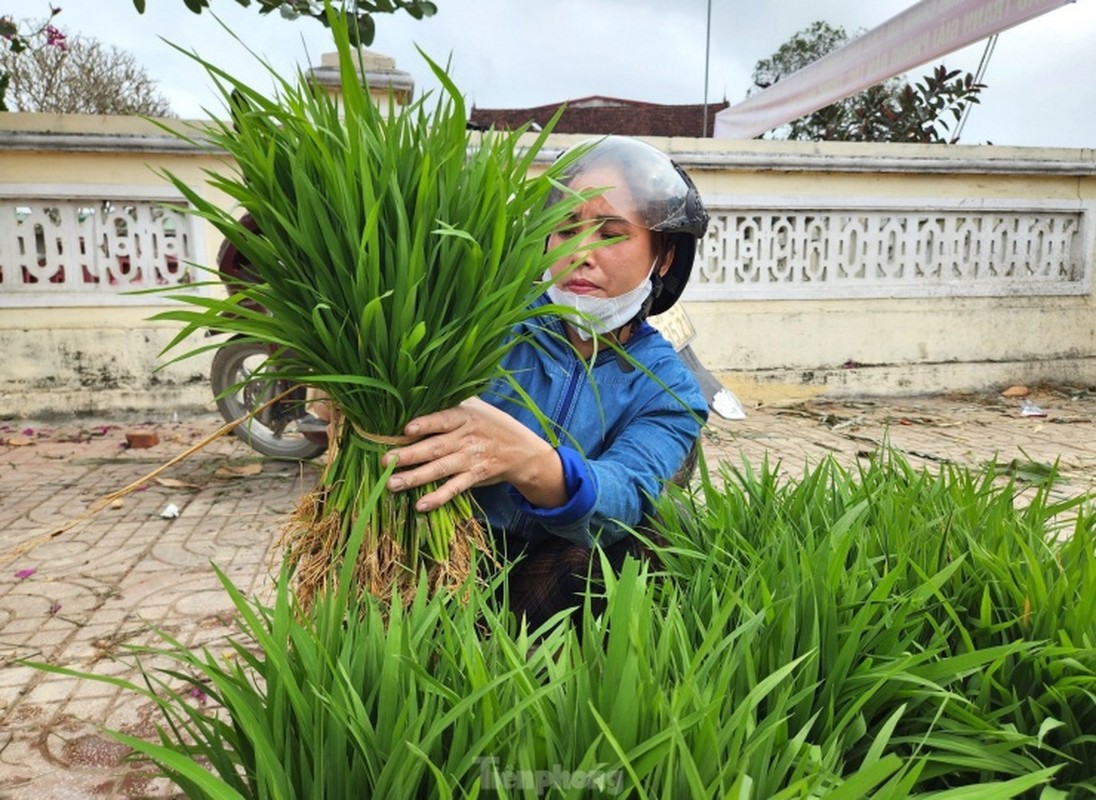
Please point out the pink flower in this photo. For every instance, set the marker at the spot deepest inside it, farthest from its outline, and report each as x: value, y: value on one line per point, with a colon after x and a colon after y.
x: 23, y: 574
x: 55, y: 38
x: 54, y: 608
x: 199, y: 695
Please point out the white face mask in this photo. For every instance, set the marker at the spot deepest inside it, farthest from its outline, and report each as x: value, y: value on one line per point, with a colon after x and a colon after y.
x: 601, y: 314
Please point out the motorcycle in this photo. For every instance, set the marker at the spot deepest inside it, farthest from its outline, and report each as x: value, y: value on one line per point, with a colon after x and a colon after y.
x: 678, y: 329
x: 284, y: 429
x: 278, y: 422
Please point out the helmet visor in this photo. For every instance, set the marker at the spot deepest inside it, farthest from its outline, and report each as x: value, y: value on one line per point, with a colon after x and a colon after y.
x: 638, y: 180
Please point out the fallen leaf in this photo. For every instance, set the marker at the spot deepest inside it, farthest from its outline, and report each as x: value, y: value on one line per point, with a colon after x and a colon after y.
x: 174, y: 483
x: 117, y: 503
x: 18, y: 441
x: 238, y: 470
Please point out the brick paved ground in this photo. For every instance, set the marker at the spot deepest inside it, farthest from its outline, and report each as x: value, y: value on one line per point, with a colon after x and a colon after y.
x: 79, y: 598
x: 968, y: 430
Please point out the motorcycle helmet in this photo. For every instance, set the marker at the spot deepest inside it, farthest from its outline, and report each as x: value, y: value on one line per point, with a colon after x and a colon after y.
x: 654, y: 193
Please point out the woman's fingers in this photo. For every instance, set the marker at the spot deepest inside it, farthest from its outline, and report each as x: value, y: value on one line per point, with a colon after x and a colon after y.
x: 453, y: 474
x: 431, y: 471
x: 431, y: 432
x: 470, y: 445
x: 439, y: 422
x: 444, y: 493
x: 467, y: 427
x: 437, y: 459
x: 422, y: 452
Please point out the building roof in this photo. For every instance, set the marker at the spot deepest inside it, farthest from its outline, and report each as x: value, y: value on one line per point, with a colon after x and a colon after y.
x: 605, y: 115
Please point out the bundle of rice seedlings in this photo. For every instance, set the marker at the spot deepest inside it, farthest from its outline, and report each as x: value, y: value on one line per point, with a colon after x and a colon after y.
x: 395, y: 253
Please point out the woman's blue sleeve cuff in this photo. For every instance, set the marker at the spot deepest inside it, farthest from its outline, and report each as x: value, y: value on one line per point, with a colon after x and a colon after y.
x: 578, y: 481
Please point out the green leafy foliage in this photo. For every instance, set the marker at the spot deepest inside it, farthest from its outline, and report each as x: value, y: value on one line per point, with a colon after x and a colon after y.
x: 360, y: 14
x: 889, y: 633
x: 926, y: 111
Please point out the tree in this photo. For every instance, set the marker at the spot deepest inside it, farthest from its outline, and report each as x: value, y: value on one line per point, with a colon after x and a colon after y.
x: 361, y: 14
x: 893, y: 111
x: 83, y: 77
x: 805, y: 47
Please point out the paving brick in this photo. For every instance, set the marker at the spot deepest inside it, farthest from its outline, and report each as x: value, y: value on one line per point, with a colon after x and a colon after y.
x: 142, y: 438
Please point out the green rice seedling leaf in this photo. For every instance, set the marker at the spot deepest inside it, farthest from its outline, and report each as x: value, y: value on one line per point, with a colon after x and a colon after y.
x: 881, y: 740
x: 681, y: 753
x: 1050, y: 793
x: 441, y: 782
x: 267, y: 638
x: 646, y: 756
x: 954, y: 666
x: 961, y: 752
x: 742, y: 788
x: 182, y: 768
x: 489, y: 736
x: 868, y: 777
x: 1046, y: 726
x: 618, y: 750
x: 998, y: 790
x: 411, y: 341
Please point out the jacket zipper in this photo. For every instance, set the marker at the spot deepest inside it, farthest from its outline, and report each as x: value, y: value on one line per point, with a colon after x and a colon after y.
x: 577, y: 370
x: 568, y: 397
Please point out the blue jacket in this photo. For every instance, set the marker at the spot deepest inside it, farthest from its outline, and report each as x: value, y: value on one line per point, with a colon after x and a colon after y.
x: 621, y: 434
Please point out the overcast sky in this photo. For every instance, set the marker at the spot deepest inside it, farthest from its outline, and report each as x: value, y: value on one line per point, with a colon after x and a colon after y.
x: 516, y: 53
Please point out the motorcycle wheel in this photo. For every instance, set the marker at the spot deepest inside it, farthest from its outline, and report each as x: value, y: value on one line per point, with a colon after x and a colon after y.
x: 239, y: 388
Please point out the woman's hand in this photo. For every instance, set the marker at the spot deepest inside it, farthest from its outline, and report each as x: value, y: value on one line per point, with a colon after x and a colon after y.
x: 476, y: 444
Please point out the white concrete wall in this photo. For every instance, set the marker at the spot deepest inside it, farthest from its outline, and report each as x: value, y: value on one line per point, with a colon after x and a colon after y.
x: 77, y: 354
x: 765, y: 349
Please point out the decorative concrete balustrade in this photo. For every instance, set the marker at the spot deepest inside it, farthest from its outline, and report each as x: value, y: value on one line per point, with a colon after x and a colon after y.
x: 95, y: 249
x: 835, y: 252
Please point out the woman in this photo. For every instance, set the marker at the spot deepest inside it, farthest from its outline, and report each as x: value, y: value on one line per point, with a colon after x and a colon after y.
x: 623, y: 424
